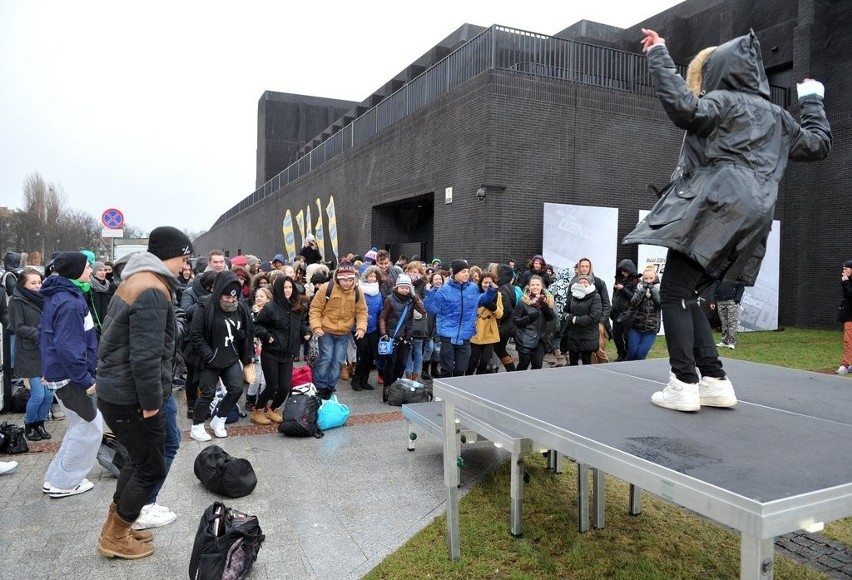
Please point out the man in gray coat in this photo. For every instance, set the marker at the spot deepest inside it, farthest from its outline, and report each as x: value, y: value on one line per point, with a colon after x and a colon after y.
x: 716, y: 215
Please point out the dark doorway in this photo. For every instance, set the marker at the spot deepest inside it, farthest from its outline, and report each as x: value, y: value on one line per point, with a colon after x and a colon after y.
x: 405, y: 226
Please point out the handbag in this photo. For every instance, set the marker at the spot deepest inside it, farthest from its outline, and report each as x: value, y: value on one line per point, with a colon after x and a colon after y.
x: 386, y: 344
x: 625, y: 318
x: 332, y: 413
x: 249, y: 375
x: 226, y: 544
x: 12, y: 439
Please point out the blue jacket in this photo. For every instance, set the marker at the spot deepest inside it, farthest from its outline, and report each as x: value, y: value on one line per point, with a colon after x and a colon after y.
x: 374, y: 309
x: 68, y: 340
x: 457, y: 306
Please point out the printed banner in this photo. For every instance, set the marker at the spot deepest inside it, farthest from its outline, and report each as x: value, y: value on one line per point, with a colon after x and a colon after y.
x: 571, y: 232
x: 332, y: 226
x: 318, y: 233
x: 289, y: 236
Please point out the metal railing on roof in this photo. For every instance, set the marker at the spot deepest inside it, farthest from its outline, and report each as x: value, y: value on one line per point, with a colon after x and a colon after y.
x: 497, y: 47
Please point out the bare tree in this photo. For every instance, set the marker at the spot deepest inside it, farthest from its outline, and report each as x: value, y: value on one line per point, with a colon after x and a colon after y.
x: 78, y: 230
x: 36, y: 223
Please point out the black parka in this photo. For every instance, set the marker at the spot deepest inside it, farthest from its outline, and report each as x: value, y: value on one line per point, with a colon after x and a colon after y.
x: 735, y: 151
x: 283, y: 320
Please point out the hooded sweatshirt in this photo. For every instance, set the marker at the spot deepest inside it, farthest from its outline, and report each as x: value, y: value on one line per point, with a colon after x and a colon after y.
x: 67, y: 340
x: 138, y: 339
x: 220, y: 338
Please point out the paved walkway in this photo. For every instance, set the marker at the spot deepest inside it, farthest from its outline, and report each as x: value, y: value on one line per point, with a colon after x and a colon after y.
x: 330, y: 508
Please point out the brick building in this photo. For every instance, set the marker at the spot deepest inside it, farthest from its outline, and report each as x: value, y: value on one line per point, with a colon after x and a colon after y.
x: 564, y: 119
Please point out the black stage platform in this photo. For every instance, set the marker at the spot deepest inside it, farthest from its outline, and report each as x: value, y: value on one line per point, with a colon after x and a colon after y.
x: 780, y: 461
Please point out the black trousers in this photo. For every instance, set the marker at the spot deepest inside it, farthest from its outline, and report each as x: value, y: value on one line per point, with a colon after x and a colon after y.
x: 532, y: 359
x: 480, y: 357
x: 145, y: 441
x: 232, y: 378
x: 689, y: 337
x: 396, y: 362
x: 279, y: 376
x: 619, y: 337
x: 368, y: 349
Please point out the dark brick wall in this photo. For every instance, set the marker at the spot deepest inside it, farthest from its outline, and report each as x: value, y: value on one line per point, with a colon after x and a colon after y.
x: 548, y: 141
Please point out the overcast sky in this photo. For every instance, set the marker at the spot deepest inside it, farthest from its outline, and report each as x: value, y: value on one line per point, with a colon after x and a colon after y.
x: 151, y: 107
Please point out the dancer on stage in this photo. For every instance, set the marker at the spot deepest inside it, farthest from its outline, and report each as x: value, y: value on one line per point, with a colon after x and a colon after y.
x: 716, y: 214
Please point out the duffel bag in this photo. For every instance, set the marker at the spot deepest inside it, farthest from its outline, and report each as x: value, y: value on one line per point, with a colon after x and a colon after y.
x: 224, y: 474
x: 226, y: 544
x: 405, y: 391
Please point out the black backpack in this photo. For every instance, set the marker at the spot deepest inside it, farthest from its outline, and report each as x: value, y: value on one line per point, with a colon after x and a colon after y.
x: 112, y: 455
x: 300, y: 414
x: 224, y: 474
x: 12, y: 439
x: 226, y: 544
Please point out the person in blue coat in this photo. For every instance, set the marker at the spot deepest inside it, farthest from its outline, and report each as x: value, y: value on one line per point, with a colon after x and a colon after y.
x: 455, y: 305
x: 68, y: 343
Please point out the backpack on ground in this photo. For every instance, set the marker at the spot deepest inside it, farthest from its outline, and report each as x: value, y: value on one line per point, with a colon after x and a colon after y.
x: 224, y: 474
x: 20, y: 398
x: 12, y: 439
x: 235, y: 412
x: 112, y: 455
x: 300, y: 414
x: 226, y: 544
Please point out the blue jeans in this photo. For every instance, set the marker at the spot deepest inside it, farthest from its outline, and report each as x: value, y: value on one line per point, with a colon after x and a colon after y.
x: 38, y: 407
x: 415, y: 359
x: 639, y: 344
x: 332, y: 354
x: 173, y: 435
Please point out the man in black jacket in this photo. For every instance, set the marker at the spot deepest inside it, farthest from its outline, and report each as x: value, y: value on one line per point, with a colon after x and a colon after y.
x: 135, y: 382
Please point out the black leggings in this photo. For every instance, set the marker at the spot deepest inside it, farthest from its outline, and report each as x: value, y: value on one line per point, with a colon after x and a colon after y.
x: 480, y: 357
x: 534, y: 358
x: 278, y: 375
x: 574, y: 357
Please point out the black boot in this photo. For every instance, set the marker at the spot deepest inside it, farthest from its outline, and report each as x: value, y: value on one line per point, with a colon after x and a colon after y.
x: 41, y: 430
x: 31, y: 433
x: 251, y: 403
x: 435, y: 372
x: 425, y: 374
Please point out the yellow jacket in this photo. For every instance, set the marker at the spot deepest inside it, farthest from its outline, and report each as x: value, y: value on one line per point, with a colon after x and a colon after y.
x: 340, y: 313
x: 486, y: 324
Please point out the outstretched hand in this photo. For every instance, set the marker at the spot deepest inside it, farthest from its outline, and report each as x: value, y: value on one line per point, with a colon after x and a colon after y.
x: 651, y: 39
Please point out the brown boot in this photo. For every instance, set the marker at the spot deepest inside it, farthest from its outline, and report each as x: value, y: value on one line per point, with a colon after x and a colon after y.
x: 344, y: 372
x: 273, y: 416
x: 116, y: 541
x: 258, y: 417
x: 143, y: 536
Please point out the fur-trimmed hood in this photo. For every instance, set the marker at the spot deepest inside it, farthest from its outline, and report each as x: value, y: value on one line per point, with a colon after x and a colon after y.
x: 736, y: 65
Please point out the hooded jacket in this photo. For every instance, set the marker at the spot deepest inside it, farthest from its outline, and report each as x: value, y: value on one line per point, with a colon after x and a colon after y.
x: 646, y: 307
x: 138, y: 340
x: 190, y: 297
x: 284, y: 321
x: 506, y: 289
x: 531, y: 321
x: 621, y: 298
x: 583, y: 316
x: 455, y: 306
x: 68, y: 341
x: 218, y: 338
x: 25, y: 316
x: 718, y: 209
x: 11, y: 264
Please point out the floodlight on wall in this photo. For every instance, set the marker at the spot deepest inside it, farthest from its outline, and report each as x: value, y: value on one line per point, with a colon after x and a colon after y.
x: 483, y: 190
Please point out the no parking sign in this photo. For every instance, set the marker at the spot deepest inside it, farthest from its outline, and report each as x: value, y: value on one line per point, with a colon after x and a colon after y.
x: 112, y: 219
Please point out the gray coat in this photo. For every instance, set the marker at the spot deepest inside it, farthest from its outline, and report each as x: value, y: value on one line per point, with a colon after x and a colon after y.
x: 735, y: 151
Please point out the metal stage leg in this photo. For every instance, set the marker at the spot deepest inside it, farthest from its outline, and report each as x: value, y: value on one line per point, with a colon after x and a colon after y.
x: 451, y: 480
x: 598, y: 518
x: 757, y: 558
x: 517, y: 495
x: 635, y: 500
x: 583, y: 497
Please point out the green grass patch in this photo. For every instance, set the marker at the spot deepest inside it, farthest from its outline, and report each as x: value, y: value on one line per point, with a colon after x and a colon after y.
x: 664, y: 541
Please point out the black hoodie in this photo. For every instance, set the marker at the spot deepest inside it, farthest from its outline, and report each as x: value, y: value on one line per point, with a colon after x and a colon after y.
x: 219, y: 338
x: 621, y: 298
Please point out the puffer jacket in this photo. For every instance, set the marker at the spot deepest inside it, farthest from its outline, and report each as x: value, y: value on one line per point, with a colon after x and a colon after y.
x: 646, y: 307
x: 455, y: 307
x: 284, y: 321
x: 719, y: 208
x: 621, y: 298
x: 137, y: 346
x: 582, y: 317
x: 394, y: 304
x: 68, y: 341
x: 343, y: 311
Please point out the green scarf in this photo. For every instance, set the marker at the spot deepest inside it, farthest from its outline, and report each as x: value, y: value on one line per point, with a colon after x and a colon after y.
x: 84, y: 286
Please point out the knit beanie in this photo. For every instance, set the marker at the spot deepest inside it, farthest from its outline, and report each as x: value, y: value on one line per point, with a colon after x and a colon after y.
x: 70, y: 265
x: 231, y: 289
x: 847, y: 264
x: 344, y: 270
x: 371, y: 254
x: 403, y: 280
x: 167, y: 242
x: 90, y: 256
x: 97, y: 266
x: 459, y: 265
x: 587, y: 278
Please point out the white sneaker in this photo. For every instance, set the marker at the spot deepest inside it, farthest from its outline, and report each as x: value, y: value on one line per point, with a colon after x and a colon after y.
x: 218, y: 426
x: 714, y: 392
x: 199, y: 433
x: 678, y: 395
x: 842, y: 370
x: 45, y: 487
x: 153, y: 516
x: 56, y: 412
x: 721, y: 344
x: 7, y: 467
x: 81, y: 487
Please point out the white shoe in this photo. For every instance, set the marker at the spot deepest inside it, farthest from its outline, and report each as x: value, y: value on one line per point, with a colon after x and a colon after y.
x: 678, y: 395
x: 7, y: 467
x: 81, y: 487
x: 199, y: 433
x: 218, y: 426
x: 842, y: 370
x: 714, y: 392
x: 45, y: 487
x: 56, y: 412
x: 153, y: 516
x: 721, y: 344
